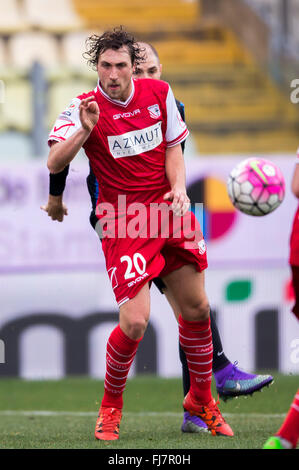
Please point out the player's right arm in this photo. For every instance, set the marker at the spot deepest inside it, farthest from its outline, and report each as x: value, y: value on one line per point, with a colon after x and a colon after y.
x: 55, y: 207
x: 67, y: 136
x: 66, y: 149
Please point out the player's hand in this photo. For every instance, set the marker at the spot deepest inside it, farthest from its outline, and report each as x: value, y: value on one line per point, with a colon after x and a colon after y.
x: 180, y: 201
x: 55, y: 208
x: 89, y: 113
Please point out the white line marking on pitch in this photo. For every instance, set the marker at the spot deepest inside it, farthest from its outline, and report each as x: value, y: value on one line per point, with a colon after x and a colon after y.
x: 128, y: 413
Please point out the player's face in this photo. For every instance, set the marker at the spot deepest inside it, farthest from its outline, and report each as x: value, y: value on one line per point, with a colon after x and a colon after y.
x: 151, y: 68
x: 115, y: 71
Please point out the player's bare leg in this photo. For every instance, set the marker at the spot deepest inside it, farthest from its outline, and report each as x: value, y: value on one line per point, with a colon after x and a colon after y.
x: 134, y: 314
x: 121, y: 350
x: 187, y: 286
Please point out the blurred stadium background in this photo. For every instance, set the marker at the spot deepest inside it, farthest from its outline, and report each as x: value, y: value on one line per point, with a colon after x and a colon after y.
x: 232, y: 63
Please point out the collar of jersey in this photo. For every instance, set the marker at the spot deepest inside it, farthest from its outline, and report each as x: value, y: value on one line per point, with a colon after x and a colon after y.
x: 118, y: 102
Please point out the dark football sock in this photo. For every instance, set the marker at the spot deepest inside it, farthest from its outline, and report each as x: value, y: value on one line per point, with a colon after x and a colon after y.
x: 219, y: 358
x: 185, y: 371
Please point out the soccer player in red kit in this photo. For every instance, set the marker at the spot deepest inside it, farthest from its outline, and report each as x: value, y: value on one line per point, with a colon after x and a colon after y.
x: 131, y: 132
x: 230, y: 380
x: 287, y: 436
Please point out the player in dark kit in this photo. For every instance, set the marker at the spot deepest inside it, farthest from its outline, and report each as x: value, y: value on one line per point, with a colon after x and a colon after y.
x: 230, y: 381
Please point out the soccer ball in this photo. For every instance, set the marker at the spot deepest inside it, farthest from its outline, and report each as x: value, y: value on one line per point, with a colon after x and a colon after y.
x: 256, y: 186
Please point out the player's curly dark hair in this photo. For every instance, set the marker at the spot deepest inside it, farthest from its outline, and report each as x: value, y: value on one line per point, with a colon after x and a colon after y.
x: 115, y: 39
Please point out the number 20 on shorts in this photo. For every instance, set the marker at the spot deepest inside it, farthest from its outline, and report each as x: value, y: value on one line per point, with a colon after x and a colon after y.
x: 138, y: 262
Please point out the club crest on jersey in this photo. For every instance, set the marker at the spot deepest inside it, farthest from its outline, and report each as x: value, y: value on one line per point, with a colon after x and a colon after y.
x: 154, y: 111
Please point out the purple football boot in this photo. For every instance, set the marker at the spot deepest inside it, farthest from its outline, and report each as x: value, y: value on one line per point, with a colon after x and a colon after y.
x: 232, y: 382
x: 193, y: 424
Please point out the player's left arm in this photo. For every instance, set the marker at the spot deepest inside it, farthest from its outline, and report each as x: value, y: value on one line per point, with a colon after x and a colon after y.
x: 176, y: 175
x: 176, y: 133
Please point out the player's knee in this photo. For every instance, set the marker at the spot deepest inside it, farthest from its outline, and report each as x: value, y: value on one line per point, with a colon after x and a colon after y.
x: 136, y: 328
x: 198, y: 311
x: 204, y: 310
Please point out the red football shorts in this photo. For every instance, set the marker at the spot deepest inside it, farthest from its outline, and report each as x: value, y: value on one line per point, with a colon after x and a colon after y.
x: 154, y: 244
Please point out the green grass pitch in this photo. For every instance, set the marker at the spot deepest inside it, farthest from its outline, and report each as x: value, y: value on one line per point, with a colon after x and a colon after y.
x: 62, y: 414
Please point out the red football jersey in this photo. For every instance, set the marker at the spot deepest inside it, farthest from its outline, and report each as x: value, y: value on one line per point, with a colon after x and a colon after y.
x: 127, y: 146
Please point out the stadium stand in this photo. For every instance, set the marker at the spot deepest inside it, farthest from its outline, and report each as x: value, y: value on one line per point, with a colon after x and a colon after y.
x: 2, y: 123
x: 3, y: 56
x: 55, y: 16
x: 30, y: 46
x: 11, y: 18
x: 232, y: 103
x: 15, y: 146
x: 221, y: 48
x: 61, y: 93
x: 140, y: 15
x: 72, y: 48
x: 17, y: 106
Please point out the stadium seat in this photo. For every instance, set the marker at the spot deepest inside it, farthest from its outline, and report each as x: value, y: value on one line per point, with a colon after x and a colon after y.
x: 15, y: 146
x: 62, y: 92
x: 72, y: 48
x: 224, y: 50
x: 2, y: 125
x: 140, y: 15
x: 3, y: 56
x: 17, y: 107
x: 56, y: 16
x: 11, y: 18
x: 28, y: 47
x: 2, y: 100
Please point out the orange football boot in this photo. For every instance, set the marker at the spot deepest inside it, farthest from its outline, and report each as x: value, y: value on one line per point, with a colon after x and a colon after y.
x: 107, y: 425
x: 210, y: 414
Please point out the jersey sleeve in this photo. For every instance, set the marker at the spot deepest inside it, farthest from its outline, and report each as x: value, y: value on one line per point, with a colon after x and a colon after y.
x: 176, y: 131
x: 67, y: 123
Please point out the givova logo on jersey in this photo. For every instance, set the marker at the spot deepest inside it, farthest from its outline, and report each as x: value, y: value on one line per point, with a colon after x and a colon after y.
x: 135, y: 142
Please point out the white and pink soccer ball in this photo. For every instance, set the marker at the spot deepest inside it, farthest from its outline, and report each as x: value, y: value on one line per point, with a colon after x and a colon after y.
x: 256, y: 186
